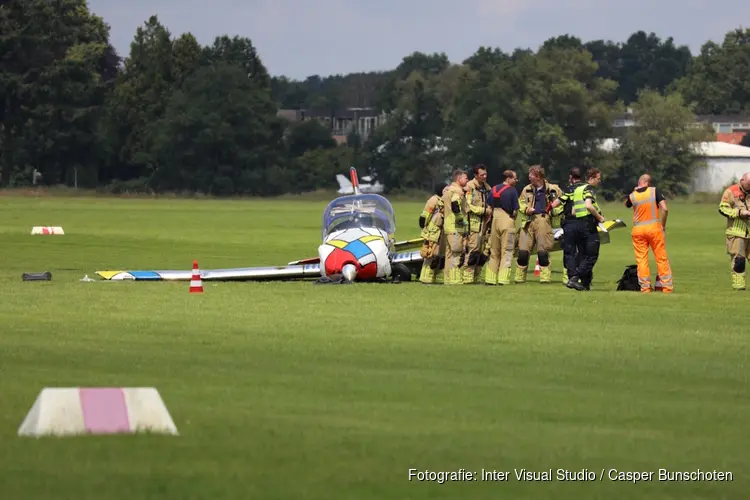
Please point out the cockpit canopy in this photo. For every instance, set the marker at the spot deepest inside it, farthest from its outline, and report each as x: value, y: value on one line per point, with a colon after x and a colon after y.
x: 357, y: 211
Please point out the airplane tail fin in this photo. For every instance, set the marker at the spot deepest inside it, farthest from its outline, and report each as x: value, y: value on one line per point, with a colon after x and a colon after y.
x: 344, y: 183
x: 355, y: 181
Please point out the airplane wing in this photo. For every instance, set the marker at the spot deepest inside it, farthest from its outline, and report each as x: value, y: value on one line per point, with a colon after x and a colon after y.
x: 401, y: 246
x: 309, y: 268
x: 291, y: 272
x: 604, y: 229
x: 299, y: 269
x: 609, y: 225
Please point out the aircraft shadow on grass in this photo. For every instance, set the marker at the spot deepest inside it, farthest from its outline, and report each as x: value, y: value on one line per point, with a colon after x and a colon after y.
x: 358, y: 245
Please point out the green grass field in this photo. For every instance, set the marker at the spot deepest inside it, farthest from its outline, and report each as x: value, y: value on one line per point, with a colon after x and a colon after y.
x: 291, y: 390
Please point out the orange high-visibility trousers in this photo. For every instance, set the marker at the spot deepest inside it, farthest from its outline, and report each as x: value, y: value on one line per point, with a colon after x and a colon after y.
x: 652, y: 236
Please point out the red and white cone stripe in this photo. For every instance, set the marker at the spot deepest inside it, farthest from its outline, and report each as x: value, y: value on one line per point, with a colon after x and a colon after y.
x: 196, y: 284
x: 537, y: 269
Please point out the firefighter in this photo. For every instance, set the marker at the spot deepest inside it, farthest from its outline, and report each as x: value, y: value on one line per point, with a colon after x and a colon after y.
x: 536, y: 225
x: 431, y: 223
x: 582, y: 232
x: 479, y: 213
x: 503, y: 200
x: 454, y: 227
x: 649, y: 223
x: 734, y: 206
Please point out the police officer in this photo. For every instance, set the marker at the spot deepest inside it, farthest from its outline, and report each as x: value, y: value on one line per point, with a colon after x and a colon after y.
x: 477, y: 191
x: 571, y: 257
x: 536, y: 224
x: 582, y: 231
x: 503, y: 200
x: 433, y: 248
x: 454, y: 227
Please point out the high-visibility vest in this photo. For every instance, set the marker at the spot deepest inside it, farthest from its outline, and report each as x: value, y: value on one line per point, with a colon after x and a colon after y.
x: 645, y: 209
x: 579, y: 202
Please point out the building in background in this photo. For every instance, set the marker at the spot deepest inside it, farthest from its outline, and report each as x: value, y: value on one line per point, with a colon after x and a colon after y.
x: 729, y: 128
x: 724, y: 164
x: 362, y: 121
x: 720, y: 164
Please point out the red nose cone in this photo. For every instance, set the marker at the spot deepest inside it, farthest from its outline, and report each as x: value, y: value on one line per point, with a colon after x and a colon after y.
x: 337, y: 259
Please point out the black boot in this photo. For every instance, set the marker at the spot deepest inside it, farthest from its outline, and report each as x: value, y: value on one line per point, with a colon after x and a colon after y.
x: 575, y: 284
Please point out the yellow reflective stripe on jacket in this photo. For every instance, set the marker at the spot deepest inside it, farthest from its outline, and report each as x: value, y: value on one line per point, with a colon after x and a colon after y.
x: 726, y: 210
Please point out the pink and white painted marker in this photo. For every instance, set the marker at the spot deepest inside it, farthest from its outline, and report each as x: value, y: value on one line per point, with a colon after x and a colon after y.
x: 54, y: 230
x: 97, y: 410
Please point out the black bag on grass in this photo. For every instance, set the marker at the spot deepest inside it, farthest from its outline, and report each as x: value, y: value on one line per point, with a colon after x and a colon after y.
x: 629, y: 280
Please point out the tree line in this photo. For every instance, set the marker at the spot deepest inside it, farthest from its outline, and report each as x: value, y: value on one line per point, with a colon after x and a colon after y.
x: 173, y: 115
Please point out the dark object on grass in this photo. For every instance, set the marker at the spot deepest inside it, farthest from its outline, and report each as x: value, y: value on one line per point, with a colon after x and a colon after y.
x: 45, y: 276
x: 334, y: 279
x: 629, y: 280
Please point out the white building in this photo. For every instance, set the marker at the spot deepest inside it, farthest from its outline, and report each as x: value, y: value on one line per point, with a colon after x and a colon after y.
x: 724, y: 163
x: 722, y: 124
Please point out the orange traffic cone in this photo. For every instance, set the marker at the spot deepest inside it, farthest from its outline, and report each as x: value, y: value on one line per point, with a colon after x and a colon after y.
x: 537, y: 269
x: 196, y: 285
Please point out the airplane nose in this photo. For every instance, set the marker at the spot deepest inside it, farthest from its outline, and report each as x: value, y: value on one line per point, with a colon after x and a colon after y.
x: 349, y: 271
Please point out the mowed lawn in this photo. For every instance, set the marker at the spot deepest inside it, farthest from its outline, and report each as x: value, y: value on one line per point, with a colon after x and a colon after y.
x: 293, y: 390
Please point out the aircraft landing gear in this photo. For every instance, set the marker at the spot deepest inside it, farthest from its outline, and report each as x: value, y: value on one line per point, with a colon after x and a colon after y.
x: 399, y: 273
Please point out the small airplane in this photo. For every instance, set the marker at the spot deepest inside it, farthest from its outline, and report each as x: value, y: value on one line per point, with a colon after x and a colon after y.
x: 357, y: 244
x: 346, y: 187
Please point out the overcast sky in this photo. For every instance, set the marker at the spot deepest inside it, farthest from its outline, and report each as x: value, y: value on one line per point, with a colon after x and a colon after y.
x: 298, y: 38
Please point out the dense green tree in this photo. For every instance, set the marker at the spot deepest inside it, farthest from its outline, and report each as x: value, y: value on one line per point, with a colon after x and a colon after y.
x: 317, y: 168
x: 663, y: 143
x: 289, y: 94
x: 181, y: 116
x: 219, y: 136
x: 719, y: 79
x: 241, y: 52
x: 644, y: 61
x: 186, y: 57
x: 428, y: 65
x: 406, y: 147
x: 571, y: 109
x: 306, y: 136
x: 139, y: 99
x: 486, y: 57
x: 57, y: 60
x: 607, y: 57
x: 563, y: 42
x: 488, y: 116
x: 546, y: 108
x: 648, y: 63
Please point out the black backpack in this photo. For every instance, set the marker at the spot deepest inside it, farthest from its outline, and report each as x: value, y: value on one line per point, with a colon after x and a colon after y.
x: 629, y: 280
